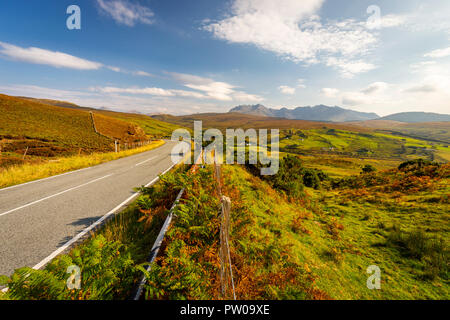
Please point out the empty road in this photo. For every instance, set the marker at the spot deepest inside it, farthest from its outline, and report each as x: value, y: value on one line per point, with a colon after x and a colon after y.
x: 40, y: 219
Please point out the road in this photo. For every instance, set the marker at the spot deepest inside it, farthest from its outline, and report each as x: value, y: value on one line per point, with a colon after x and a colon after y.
x: 40, y: 219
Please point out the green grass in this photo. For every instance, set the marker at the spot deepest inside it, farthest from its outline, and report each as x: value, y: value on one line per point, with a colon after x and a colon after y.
x: 337, y: 238
x: 360, y: 145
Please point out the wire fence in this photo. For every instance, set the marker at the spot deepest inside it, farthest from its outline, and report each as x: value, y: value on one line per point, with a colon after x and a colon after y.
x: 226, y: 268
x: 123, y: 146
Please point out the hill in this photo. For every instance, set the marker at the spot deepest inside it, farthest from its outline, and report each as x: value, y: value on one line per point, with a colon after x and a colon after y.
x: 245, y: 121
x: 57, y: 103
x: 416, y: 117
x: 33, y: 130
x: 317, y: 113
x: 432, y: 131
x: 151, y: 127
x: 49, y: 125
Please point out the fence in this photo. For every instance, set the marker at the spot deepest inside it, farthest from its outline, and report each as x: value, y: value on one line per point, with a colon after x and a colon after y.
x: 226, y: 268
x: 118, y: 146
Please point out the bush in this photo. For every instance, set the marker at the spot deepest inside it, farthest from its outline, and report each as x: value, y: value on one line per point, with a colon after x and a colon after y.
x: 368, y: 168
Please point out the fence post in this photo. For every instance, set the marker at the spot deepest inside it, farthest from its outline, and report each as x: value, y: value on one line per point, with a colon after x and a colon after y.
x: 25, y: 153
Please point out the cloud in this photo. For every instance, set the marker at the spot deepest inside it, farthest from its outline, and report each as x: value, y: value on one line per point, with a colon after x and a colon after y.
x: 353, y: 100
x: 126, y: 12
x: 422, y: 88
x: 212, y: 89
x: 115, y: 69
x: 301, y: 83
x: 348, y: 68
x: 146, y: 91
x: 375, y: 87
x: 392, y: 20
x: 286, y: 90
x: 142, y: 74
x: 329, y: 92
x: 41, y: 92
x: 440, y: 53
x: 47, y: 57
x: 291, y: 29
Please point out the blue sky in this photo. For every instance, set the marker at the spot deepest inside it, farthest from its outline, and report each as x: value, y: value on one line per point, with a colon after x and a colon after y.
x: 181, y: 57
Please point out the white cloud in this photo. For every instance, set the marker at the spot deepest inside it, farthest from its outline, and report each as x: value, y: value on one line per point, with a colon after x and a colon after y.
x: 375, y: 87
x: 147, y: 91
x: 301, y: 83
x: 422, y: 88
x: 246, y: 97
x: 126, y: 12
x: 142, y: 74
x: 440, y: 53
x: 286, y: 90
x: 392, y: 20
x: 349, y: 68
x: 212, y: 89
x: 115, y: 69
x: 41, y: 92
x: 47, y: 57
x: 329, y: 92
x: 291, y: 29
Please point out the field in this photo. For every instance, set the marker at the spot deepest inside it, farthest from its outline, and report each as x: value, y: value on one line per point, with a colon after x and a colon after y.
x: 361, y: 145
x: 433, y: 131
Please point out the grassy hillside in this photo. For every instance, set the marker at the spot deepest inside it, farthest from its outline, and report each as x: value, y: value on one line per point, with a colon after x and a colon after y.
x: 399, y: 223
x: 62, y: 127
x: 43, y: 129
x: 118, y: 129
x: 362, y: 145
x: 433, y: 131
x: 152, y: 127
x: 315, y: 243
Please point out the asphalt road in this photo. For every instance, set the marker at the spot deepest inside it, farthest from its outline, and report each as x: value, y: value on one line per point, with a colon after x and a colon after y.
x: 39, y: 218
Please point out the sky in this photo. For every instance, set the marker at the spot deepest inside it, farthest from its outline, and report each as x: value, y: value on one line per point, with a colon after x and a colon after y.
x: 194, y: 56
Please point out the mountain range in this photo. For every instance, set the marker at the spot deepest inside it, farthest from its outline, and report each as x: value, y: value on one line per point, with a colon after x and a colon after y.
x: 335, y: 114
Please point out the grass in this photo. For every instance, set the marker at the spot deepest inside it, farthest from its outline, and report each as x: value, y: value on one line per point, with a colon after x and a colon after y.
x: 362, y: 145
x: 24, y: 173
x: 109, y: 259
x: 337, y: 234
x: 61, y: 126
x: 152, y: 127
x: 118, y: 129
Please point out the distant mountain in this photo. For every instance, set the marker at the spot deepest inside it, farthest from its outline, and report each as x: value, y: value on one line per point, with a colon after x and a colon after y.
x: 416, y: 117
x: 317, y: 113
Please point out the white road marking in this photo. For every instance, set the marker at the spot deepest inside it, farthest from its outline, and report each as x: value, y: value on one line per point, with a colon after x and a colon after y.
x: 91, y: 227
x: 141, y: 163
x: 39, y: 180
x: 54, y: 195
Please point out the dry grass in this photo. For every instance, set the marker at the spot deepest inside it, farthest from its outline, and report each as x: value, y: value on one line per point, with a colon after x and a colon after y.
x: 118, y: 129
x: 29, y: 172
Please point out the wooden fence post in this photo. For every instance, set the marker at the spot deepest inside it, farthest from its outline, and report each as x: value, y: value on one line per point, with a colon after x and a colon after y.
x: 25, y: 153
